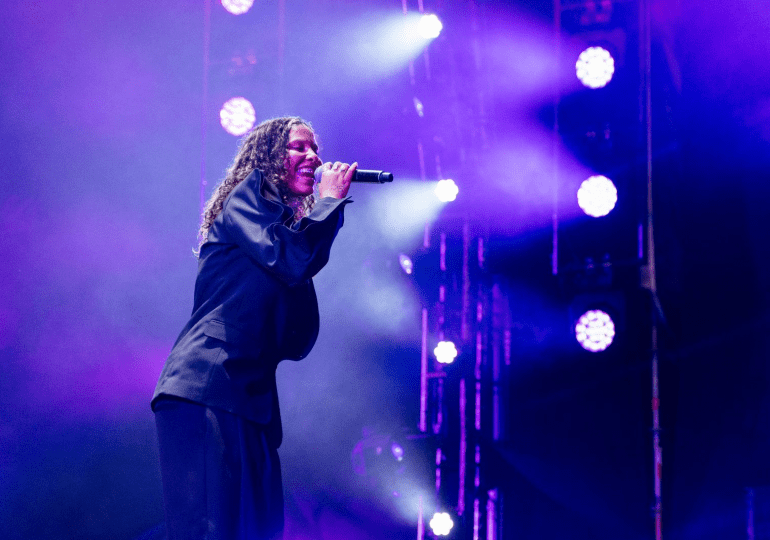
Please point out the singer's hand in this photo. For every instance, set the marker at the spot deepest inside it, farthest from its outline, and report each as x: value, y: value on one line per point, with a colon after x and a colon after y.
x: 335, y: 179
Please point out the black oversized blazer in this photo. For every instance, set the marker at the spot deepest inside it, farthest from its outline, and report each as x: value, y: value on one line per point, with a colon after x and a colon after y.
x: 254, y: 304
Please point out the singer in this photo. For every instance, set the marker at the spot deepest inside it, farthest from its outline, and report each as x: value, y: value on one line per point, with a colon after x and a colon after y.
x: 263, y: 237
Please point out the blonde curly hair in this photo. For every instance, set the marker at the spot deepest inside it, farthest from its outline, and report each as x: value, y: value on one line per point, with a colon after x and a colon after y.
x: 263, y: 148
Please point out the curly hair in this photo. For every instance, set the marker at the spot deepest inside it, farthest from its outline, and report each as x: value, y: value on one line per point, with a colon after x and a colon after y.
x: 263, y: 148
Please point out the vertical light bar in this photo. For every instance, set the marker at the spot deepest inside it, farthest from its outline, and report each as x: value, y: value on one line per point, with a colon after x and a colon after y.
x: 492, y: 514
x: 480, y: 254
x: 424, y: 374
x: 438, y: 470
x: 463, y: 448
x: 442, y: 253
x: 421, y: 156
x: 479, y: 351
x: 466, y: 283
x: 496, y: 414
x: 439, y: 418
x: 507, y: 346
x: 478, y: 406
x: 750, y: 514
x: 420, y: 519
x: 499, y: 319
x: 439, y: 174
x: 476, y: 518
x: 658, y: 451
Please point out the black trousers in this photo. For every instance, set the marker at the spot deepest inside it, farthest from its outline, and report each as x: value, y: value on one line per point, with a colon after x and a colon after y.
x: 221, y: 478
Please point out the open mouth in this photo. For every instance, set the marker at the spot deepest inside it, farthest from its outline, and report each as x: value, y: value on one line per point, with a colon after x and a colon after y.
x: 305, y: 171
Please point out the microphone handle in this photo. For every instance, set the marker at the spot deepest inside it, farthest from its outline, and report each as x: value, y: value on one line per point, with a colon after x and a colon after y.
x: 372, y: 177
x: 362, y: 175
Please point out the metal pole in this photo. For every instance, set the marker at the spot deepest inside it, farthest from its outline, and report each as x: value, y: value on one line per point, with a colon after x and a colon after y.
x: 649, y: 278
x: 205, y: 104
x: 556, y: 99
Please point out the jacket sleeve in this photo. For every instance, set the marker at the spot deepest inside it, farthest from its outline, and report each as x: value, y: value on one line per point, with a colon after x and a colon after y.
x: 292, y: 253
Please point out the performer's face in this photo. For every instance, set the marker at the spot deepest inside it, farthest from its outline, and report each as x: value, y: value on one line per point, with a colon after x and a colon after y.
x: 301, y: 160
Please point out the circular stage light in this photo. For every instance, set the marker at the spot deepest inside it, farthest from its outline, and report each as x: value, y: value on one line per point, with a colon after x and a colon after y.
x: 445, y: 352
x: 597, y: 196
x: 441, y: 523
x: 595, y: 67
x: 237, y: 7
x: 595, y: 330
x: 237, y: 116
x: 446, y: 190
x: 430, y: 26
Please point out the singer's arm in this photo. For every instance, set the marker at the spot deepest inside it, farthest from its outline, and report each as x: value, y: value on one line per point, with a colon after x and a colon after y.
x: 293, y: 253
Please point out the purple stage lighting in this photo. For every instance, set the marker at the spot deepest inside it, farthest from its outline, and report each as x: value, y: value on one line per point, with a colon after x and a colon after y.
x: 595, y: 67
x: 237, y: 116
x: 446, y: 190
x: 237, y: 7
x: 406, y: 263
x: 441, y: 523
x: 445, y: 352
x: 430, y: 26
x: 597, y: 196
x: 595, y: 330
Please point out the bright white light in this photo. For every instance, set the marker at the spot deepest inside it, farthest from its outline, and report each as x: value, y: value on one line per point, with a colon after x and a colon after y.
x: 397, y: 450
x: 445, y: 352
x: 595, y: 67
x: 595, y: 330
x: 430, y: 26
x: 380, y: 44
x: 597, y: 196
x: 237, y: 116
x: 419, y: 107
x: 401, y: 222
x: 446, y: 190
x: 406, y: 263
x: 441, y: 523
x: 237, y: 7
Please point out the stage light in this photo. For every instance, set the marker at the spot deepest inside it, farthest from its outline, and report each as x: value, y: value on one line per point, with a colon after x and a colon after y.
x: 445, y: 352
x: 430, y: 26
x: 595, y: 67
x: 595, y: 330
x: 419, y: 107
x: 597, y: 196
x: 397, y: 450
x: 406, y: 263
x: 237, y: 7
x: 441, y: 523
x: 237, y: 116
x: 446, y: 190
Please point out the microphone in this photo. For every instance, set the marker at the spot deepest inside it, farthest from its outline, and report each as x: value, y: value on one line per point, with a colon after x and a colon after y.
x: 361, y: 175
